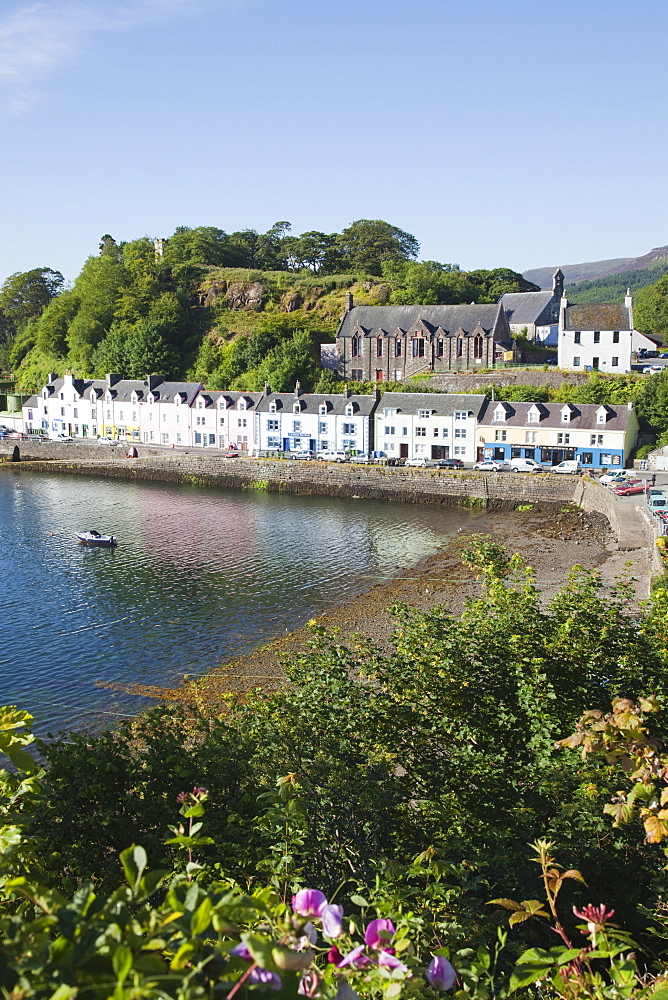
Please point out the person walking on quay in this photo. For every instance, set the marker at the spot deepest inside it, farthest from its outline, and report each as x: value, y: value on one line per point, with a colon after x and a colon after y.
x: 653, y: 478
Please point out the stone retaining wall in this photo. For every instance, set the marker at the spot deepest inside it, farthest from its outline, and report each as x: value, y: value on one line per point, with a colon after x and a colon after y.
x: 535, y: 376
x: 370, y: 482
x: 59, y: 450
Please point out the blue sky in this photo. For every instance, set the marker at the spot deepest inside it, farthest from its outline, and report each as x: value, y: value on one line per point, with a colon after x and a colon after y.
x: 498, y: 132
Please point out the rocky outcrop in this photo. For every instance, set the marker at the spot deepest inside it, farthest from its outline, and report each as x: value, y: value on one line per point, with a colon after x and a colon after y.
x: 290, y: 301
x: 250, y: 296
x: 212, y: 292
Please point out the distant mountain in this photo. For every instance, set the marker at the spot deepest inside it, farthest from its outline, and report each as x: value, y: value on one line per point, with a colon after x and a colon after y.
x: 592, y: 270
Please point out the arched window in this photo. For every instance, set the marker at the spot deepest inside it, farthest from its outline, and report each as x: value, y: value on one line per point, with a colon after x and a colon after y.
x: 477, y: 346
x: 460, y: 347
x: 397, y: 348
x: 357, y: 346
x: 439, y: 347
x: 379, y: 347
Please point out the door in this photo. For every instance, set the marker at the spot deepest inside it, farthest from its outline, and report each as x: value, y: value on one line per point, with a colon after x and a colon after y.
x: 379, y: 375
x: 403, y: 451
x: 480, y: 455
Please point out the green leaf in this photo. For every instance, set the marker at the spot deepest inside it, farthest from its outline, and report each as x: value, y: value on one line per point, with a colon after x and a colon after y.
x: 393, y: 990
x: 201, y: 918
x: 122, y: 962
x: 358, y: 900
x: 134, y: 861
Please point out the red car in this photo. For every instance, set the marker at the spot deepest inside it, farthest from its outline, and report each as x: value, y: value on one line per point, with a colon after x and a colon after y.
x: 630, y: 489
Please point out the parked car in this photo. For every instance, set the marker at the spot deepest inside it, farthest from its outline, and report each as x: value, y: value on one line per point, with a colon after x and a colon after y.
x: 332, y: 456
x: 303, y: 455
x: 609, y: 477
x: 524, y: 465
x: 111, y: 442
x: 630, y: 489
x: 551, y: 361
x: 362, y: 458
x: 571, y: 467
x: 642, y: 353
x: 418, y: 463
x: 449, y: 463
x: 652, y: 369
x: 664, y: 355
x: 489, y: 465
x: 60, y: 438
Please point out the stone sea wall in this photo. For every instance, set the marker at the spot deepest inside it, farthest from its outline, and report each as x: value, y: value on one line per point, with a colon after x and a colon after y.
x: 464, y: 488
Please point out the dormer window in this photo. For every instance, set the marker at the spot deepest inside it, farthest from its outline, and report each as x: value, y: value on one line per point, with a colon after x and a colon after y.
x: 500, y: 413
x: 349, y: 409
x: 241, y: 405
x: 322, y: 409
x: 296, y: 407
x: 601, y: 417
x: 532, y: 416
x: 565, y: 416
x: 44, y: 394
x: 424, y: 414
x: 272, y: 406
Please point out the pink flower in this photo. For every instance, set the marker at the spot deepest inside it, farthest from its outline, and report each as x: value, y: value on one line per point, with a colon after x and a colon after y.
x: 440, y: 973
x: 332, y: 920
x: 355, y: 957
x: 379, y: 933
x: 334, y: 955
x: 386, y: 959
x: 596, y: 916
x: 241, y: 951
x: 309, y: 902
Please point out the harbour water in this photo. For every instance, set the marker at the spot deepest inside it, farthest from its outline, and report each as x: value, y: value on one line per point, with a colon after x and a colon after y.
x: 198, y: 576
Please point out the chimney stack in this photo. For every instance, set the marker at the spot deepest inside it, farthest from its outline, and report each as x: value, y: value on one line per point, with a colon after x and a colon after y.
x: 153, y: 381
x: 349, y: 303
x: 112, y: 378
x: 298, y: 389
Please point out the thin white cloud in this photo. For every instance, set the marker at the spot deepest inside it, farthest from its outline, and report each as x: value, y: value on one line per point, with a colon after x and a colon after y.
x: 39, y: 38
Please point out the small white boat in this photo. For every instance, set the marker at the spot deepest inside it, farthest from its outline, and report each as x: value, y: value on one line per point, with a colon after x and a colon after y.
x: 95, y: 538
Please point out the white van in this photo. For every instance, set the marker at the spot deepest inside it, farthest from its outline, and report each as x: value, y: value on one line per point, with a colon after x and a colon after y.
x: 571, y: 467
x: 524, y: 465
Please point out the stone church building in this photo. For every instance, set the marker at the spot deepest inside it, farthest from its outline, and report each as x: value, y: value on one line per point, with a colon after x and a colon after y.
x: 389, y: 343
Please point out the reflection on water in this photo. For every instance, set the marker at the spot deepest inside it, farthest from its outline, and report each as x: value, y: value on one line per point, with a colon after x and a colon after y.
x: 199, y: 574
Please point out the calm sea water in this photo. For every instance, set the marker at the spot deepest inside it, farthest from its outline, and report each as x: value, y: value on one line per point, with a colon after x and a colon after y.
x: 198, y: 575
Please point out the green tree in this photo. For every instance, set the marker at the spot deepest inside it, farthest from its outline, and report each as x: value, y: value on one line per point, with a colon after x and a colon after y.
x: 148, y: 351
x: 650, y: 309
x: 365, y: 244
x: 24, y: 295
x: 491, y: 285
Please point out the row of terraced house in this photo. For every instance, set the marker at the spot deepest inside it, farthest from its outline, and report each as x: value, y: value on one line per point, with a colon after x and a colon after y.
x: 396, y: 425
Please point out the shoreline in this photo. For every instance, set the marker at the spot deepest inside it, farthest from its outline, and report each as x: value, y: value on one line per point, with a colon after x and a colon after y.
x: 550, y: 545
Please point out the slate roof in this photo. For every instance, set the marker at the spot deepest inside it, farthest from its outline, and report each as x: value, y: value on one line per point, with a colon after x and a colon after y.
x: 121, y: 391
x: 388, y: 319
x: 582, y: 416
x: 598, y: 316
x: 212, y: 397
x: 311, y: 402
x: 525, y: 308
x: 165, y: 392
x: 443, y: 404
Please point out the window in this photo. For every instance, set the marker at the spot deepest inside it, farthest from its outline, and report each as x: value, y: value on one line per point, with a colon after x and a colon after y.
x: 600, y: 417
x: 420, y: 432
x: 322, y: 409
x: 389, y: 445
x: 530, y: 437
x: 222, y: 421
x: 76, y: 413
x: 272, y: 425
x: 272, y: 407
x: 435, y: 432
x: 178, y: 438
x: 565, y: 416
x: 379, y: 347
x: 388, y: 431
x: 349, y: 444
x: 404, y: 431
x: 93, y: 411
x: 418, y: 347
x: 322, y: 427
x: 615, y: 362
x: 460, y: 347
x: 587, y: 458
x: 273, y: 442
x: 594, y: 363
x: 439, y: 347
x: 62, y: 411
x: 460, y: 450
x: 356, y: 347
x: 597, y: 336
x: 350, y: 429
x: 576, y: 337
x: 460, y: 432
x: 576, y: 362
x: 356, y: 374
x: 397, y: 375
x: 500, y: 435
x: 164, y: 417
x: 532, y: 417
x: 62, y: 395
x: 615, y: 336
x: 349, y: 409
x: 397, y: 348
x: 108, y: 414
x: 445, y: 432
x: 477, y: 347
x: 134, y: 416
x: 424, y: 414
x: 461, y: 414
x: 606, y: 459
x: 241, y: 421
x: 563, y: 438
x: 595, y: 439
x: 165, y: 438
x: 296, y: 426
x: 420, y: 449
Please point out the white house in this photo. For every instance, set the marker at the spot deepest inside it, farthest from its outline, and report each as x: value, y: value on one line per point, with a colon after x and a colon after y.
x: 596, y: 435
x: 286, y: 422
x: 67, y: 406
x: 597, y: 336
x: 431, y: 425
x: 536, y: 314
x: 165, y: 412
x: 224, y: 419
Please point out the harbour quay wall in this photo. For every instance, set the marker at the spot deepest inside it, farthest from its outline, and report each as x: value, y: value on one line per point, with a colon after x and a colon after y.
x: 459, y: 488
x: 60, y: 450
